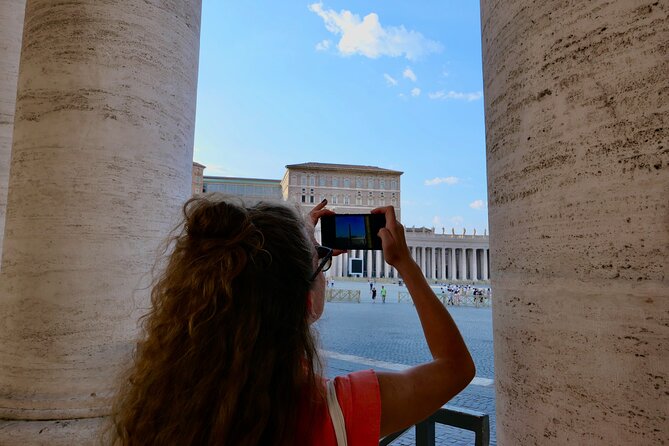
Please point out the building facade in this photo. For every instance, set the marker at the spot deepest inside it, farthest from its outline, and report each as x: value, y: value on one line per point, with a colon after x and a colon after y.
x: 197, y: 184
x: 353, y: 189
x: 250, y: 190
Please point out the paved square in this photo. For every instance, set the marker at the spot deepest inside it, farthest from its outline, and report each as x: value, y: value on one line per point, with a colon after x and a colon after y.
x: 388, y: 336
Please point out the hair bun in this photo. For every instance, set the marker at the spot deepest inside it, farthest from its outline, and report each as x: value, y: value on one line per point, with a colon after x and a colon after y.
x: 211, y: 219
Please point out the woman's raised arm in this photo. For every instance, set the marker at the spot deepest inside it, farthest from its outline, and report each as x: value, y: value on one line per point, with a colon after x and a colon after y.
x: 410, y: 396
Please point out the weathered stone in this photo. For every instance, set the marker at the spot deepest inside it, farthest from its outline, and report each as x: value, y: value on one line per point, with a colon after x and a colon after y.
x: 578, y: 180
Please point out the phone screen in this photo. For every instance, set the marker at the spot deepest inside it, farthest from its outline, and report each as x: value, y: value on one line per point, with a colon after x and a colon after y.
x: 352, y: 231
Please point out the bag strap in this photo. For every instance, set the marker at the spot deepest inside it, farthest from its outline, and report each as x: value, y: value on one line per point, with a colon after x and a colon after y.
x: 336, y: 415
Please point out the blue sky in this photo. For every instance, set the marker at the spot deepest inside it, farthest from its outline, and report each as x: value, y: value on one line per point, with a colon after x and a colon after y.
x: 396, y: 85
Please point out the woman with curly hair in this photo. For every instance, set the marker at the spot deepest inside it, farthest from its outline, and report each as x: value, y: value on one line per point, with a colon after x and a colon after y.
x: 228, y: 357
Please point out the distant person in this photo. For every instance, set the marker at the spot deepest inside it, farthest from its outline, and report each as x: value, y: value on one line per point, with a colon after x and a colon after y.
x: 383, y: 294
x: 227, y: 355
x: 373, y: 294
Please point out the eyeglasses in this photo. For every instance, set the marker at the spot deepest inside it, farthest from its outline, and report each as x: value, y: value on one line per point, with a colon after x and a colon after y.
x: 325, y: 256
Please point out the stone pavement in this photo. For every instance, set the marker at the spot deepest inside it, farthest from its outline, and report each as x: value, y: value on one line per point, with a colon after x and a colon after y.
x: 388, y: 337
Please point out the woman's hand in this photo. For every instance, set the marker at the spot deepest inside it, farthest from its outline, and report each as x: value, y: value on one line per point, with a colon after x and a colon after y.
x: 395, y: 248
x: 315, y: 215
x: 318, y: 211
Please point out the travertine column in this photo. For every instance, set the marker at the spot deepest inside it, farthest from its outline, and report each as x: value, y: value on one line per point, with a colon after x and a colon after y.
x: 484, y: 264
x: 368, y: 255
x: 101, y: 163
x: 423, y: 261
x: 11, y: 28
x: 578, y: 173
x: 463, y: 264
x: 433, y: 266
x: 474, y: 266
x: 451, y: 266
x: 340, y: 265
x: 443, y: 263
x: 378, y: 264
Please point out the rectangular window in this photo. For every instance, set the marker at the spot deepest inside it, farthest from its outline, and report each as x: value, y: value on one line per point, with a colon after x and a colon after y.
x: 393, y: 185
x: 311, y: 198
x: 358, y: 183
x: 312, y: 181
x: 321, y: 180
x: 335, y: 182
x: 382, y: 184
x: 370, y: 183
x: 304, y: 198
x: 303, y: 180
x: 347, y: 183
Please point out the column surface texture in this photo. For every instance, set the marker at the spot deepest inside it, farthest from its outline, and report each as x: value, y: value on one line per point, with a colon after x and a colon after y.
x: 101, y: 163
x: 11, y: 28
x: 576, y: 113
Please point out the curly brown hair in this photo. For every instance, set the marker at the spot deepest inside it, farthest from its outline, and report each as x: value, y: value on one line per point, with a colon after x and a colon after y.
x: 227, y: 353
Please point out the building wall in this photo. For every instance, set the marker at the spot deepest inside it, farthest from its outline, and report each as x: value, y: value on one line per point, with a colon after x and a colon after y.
x: 347, y: 190
x: 198, y: 180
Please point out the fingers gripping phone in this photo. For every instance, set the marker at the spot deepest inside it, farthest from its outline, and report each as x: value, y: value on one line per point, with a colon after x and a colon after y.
x: 352, y: 231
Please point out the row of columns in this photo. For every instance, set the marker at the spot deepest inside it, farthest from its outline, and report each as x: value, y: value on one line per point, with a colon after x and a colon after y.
x: 373, y: 264
x: 452, y: 263
x: 435, y: 263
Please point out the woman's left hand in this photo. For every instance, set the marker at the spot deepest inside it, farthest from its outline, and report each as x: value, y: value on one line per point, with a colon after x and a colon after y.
x: 316, y: 213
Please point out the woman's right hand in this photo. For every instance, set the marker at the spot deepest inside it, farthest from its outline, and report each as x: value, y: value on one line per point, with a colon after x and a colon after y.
x: 395, y: 248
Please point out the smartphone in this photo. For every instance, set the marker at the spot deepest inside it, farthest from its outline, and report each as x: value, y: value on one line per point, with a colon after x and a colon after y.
x: 352, y: 231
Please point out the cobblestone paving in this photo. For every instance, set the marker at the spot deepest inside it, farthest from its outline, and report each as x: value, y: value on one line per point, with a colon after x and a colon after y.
x: 390, y: 332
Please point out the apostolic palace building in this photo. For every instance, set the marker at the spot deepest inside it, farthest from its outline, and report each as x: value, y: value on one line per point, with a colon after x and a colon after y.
x: 359, y: 189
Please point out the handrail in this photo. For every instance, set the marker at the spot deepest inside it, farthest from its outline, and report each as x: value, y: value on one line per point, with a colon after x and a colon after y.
x: 471, y: 420
x: 341, y: 295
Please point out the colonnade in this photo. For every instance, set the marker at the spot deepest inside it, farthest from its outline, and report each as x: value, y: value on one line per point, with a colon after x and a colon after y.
x: 373, y: 264
x: 452, y: 263
x: 438, y: 263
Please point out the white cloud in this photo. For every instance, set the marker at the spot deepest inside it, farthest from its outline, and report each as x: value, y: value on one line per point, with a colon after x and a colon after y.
x: 389, y: 79
x: 477, y: 204
x: 368, y: 38
x: 437, y: 181
x: 409, y: 74
x: 441, y: 94
x: 323, y: 45
x: 415, y: 92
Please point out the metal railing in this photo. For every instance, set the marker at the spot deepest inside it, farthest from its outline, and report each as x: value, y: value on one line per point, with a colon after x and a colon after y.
x: 340, y: 295
x: 463, y: 300
x: 459, y: 417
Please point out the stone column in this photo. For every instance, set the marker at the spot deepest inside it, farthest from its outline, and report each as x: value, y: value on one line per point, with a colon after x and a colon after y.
x: 474, y: 266
x: 369, y: 263
x: 423, y: 261
x: 101, y: 164
x: 340, y: 265
x: 484, y: 264
x: 433, y: 266
x: 11, y: 28
x: 578, y: 172
x: 452, y: 269
x: 442, y: 258
x: 463, y: 264
x: 378, y: 264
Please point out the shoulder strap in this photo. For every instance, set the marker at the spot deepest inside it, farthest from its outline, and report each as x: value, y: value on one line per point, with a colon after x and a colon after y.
x: 336, y: 415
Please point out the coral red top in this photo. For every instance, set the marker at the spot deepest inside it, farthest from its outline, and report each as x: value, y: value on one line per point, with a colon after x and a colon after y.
x: 360, y: 401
